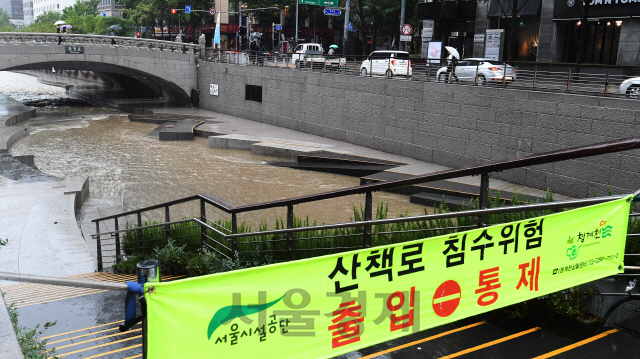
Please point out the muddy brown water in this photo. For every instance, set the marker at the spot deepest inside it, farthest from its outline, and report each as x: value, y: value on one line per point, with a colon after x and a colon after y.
x: 130, y: 169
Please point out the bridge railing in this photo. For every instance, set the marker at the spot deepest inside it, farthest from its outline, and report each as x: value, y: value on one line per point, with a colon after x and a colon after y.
x: 592, y: 79
x: 297, y: 239
x: 44, y: 39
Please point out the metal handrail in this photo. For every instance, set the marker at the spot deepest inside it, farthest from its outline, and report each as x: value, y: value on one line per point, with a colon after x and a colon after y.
x: 97, y: 37
x: 531, y: 160
x: 475, y: 212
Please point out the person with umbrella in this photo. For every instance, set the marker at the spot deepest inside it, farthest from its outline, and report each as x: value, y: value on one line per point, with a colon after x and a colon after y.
x: 113, y: 28
x: 58, y: 30
x: 452, y: 62
x: 332, y: 49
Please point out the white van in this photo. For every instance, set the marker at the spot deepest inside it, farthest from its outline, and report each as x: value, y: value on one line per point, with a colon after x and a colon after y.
x: 387, y: 62
x: 304, y: 54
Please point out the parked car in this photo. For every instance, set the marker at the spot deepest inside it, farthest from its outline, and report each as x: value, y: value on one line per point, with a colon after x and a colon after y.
x: 630, y: 87
x: 488, y: 71
x: 388, y: 63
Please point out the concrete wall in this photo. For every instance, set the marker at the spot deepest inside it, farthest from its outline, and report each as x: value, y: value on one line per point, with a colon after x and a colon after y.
x: 451, y: 125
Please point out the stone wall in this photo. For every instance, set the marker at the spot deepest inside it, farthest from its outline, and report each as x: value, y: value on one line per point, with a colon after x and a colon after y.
x: 451, y: 125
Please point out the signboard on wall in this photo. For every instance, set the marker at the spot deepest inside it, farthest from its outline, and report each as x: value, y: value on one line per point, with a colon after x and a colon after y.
x: 434, y: 51
x: 493, y: 44
x: 571, y: 9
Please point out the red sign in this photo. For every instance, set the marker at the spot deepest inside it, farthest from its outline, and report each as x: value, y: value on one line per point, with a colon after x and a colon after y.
x: 407, y: 29
x: 212, y: 11
x: 447, y: 298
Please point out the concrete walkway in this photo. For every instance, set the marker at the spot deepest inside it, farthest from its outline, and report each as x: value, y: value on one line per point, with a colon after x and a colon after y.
x: 283, y: 141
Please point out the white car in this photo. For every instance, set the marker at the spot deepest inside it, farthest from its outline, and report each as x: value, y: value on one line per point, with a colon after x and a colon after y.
x: 488, y: 71
x: 388, y: 63
x: 630, y: 87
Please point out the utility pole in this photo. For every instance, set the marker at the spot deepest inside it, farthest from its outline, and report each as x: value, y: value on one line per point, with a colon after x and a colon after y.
x: 297, y: 6
x: 346, y: 24
x: 402, y: 43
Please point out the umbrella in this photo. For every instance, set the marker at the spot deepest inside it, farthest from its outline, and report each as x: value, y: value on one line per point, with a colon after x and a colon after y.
x: 59, y: 22
x: 453, y: 51
x: 333, y: 46
x: 68, y: 26
x: 115, y: 27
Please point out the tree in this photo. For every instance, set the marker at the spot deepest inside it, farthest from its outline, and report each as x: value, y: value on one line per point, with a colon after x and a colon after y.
x: 5, y: 24
x: 515, y: 7
x: 44, y: 22
x: 371, y: 15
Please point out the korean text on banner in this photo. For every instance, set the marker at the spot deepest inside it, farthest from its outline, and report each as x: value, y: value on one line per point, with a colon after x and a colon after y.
x: 326, y: 306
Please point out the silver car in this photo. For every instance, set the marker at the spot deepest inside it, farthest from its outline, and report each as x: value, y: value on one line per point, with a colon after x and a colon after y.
x: 488, y: 71
x: 630, y: 87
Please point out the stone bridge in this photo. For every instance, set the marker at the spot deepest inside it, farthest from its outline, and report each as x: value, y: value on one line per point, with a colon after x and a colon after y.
x: 164, y: 65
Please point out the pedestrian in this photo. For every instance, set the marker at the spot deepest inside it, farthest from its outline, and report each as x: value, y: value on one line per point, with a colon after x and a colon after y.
x: 331, y: 51
x: 59, y: 37
x: 452, y: 62
x: 113, y: 41
x: 253, y: 48
x: 261, y: 54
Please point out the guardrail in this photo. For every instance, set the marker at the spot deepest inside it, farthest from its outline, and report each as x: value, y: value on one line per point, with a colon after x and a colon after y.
x: 45, y: 39
x: 201, y: 232
x: 593, y: 80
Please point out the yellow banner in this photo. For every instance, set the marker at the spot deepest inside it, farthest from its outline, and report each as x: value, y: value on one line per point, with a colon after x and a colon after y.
x: 331, y: 305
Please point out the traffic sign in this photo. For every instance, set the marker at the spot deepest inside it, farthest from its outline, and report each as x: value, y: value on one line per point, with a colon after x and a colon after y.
x: 406, y: 29
x: 278, y: 27
x: 447, y: 298
x: 212, y: 11
x: 332, y: 12
x: 405, y: 37
x: 319, y: 2
x: 350, y: 27
x: 187, y: 9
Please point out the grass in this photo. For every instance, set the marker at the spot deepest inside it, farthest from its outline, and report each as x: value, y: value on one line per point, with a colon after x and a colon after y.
x: 29, y: 338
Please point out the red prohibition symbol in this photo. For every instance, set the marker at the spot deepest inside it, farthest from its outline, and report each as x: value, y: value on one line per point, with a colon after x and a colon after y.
x: 447, y: 298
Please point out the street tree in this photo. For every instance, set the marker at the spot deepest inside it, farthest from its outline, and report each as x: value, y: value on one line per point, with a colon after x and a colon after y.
x: 5, y: 24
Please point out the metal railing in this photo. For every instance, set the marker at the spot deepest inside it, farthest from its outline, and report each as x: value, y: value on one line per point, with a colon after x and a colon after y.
x: 291, y: 242
x: 46, y: 39
x: 593, y: 80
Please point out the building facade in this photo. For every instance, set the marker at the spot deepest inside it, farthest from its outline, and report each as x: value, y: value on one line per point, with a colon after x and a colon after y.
x: 27, y: 10
x: 538, y: 30
x: 14, y: 9
x: 110, y: 8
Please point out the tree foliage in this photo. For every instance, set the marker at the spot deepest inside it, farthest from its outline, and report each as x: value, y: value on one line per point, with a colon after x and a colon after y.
x: 5, y: 24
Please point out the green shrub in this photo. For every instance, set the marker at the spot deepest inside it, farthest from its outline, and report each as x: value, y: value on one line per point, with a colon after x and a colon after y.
x: 32, y: 347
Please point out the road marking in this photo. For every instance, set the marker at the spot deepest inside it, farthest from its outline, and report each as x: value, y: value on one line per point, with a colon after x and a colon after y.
x: 575, y: 345
x: 98, y: 338
x: 422, y: 340
x: 84, y: 335
x: 47, y: 301
x: 79, y: 330
x: 97, y: 346
x: 52, y: 297
x: 117, y: 350
x: 485, y: 345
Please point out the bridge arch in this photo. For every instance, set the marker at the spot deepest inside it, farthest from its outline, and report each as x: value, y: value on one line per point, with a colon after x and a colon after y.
x: 170, y: 65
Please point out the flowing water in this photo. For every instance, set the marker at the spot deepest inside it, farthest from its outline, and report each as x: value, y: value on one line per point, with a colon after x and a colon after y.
x: 127, y: 168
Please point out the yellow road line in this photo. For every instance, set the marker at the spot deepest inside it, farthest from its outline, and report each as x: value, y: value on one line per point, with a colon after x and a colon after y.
x: 115, y: 351
x: 84, y: 335
x: 575, y: 345
x: 97, y: 346
x: 421, y: 340
x: 50, y: 296
x: 54, y: 300
x: 486, y: 345
x: 79, y: 330
x: 98, y: 338
x: 40, y: 293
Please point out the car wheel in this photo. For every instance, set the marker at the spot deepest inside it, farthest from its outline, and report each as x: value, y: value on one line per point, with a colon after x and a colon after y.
x: 633, y: 91
x: 363, y: 72
x: 443, y: 77
x: 388, y: 74
x: 482, y: 80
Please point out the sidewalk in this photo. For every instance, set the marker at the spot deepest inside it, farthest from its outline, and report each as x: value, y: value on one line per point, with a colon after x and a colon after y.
x: 230, y: 125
